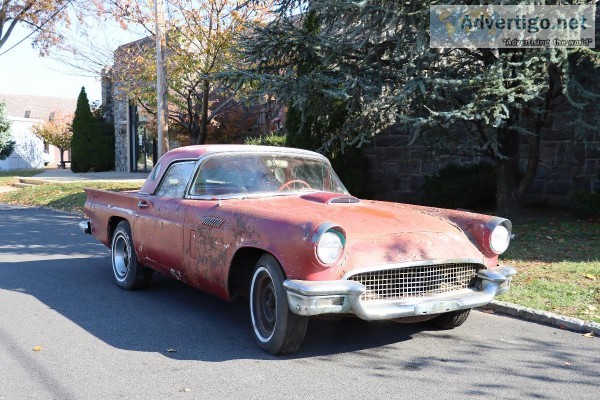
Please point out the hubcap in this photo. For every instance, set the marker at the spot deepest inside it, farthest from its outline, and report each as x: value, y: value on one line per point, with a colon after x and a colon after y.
x: 120, y: 252
x: 263, y: 305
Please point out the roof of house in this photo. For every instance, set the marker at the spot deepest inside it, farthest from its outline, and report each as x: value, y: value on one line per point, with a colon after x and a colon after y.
x: 36, y: 107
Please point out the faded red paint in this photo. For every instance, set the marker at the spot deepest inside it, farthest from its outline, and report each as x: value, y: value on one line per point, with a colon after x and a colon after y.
x: 169, y: 235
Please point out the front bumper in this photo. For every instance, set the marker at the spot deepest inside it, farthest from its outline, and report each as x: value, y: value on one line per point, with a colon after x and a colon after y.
x: 344, y: 296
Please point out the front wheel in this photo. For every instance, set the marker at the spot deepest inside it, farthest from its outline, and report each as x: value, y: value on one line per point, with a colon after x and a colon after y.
x: 276, y: 329
x: 450, y: 320
x: 127, y: 270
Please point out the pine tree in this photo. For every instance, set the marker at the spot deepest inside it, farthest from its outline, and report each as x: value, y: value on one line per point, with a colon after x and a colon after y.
x: 91, y: 145
x: 7, y: 145
x: 373, y: 57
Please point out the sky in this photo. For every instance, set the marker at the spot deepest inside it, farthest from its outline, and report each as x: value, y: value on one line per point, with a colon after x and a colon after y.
x: 23, y: 71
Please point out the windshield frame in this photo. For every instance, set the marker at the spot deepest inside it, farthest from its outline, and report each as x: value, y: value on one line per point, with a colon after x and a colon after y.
x: 285, y: 153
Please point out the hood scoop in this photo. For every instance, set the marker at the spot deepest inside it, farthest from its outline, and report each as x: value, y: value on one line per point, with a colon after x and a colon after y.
x: 330, y: 198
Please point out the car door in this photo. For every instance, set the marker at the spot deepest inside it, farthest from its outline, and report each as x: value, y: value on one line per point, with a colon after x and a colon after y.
x: 160, y: 221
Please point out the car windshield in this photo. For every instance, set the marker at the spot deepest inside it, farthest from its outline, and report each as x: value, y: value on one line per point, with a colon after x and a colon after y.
x: 249, y: 174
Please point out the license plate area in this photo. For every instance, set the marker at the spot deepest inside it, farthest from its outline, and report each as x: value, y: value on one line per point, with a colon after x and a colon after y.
x: 436, y: 307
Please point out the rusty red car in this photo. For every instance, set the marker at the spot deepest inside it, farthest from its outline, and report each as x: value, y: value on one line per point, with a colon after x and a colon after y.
x: 277, y: 226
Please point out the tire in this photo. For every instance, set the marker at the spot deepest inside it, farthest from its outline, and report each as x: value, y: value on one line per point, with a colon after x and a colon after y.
x: 127, y: 270
x: 450, y: 320
x: 276, y: 329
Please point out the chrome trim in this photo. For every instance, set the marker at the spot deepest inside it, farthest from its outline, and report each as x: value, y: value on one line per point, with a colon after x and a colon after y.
x: 326, y: 297
x: 85, y: 227
x: 343, y: 200
x: 408, y: 264
x: 492, y: 224
x: 212, y: 222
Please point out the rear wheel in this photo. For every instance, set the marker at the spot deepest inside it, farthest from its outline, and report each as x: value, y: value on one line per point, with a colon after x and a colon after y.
x: 450, y: 320
x: 276, y: 329
x: 127, y: 270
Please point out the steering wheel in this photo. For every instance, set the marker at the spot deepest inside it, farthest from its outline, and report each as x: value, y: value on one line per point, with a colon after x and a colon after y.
x: 287, y: 184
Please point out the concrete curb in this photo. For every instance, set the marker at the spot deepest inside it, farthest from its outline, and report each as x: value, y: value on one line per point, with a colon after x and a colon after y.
x: 543, y: 317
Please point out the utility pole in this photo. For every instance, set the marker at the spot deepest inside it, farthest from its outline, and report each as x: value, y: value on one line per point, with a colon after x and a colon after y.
x: 162, y: 109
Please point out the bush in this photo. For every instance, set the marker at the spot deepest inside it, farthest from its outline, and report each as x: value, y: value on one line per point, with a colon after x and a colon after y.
x: 92, y: 144
x: 268, y: 140
x: 7, y: 144
x: 587, y: 204
x: 471, y: 187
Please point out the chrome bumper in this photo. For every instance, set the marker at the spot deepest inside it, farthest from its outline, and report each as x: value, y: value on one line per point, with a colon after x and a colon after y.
x: 344, y: 296
x: 85, y: 227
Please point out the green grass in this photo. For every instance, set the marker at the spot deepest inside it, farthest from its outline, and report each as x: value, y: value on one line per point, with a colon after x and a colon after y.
x: 68, y: 197
x: 7, y: 178
x: 558, y: 259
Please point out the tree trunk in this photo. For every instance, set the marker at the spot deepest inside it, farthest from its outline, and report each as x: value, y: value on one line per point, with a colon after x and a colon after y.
x: 204, y: 119
x: 62, y: 157
x: 507, y: 197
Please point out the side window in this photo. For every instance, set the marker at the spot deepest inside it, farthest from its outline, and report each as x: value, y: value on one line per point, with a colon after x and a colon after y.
x: 175, y: 180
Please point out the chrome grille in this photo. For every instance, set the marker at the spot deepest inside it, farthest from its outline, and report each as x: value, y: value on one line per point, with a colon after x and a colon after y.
x: 416, y: 281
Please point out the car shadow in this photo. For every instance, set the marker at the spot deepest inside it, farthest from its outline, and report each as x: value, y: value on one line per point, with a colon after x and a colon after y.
x: 171, y: 318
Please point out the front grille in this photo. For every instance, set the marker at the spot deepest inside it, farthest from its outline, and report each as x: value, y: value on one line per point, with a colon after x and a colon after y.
x: 417, y: 281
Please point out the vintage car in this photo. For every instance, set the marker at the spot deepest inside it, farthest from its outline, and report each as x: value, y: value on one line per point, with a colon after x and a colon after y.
x: 276, y: 225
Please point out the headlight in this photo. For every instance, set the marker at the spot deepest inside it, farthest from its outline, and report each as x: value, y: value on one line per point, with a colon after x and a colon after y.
x: 500, y: 238
x: 330, y: 247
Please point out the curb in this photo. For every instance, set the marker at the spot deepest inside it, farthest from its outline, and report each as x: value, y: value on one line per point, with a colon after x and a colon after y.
x: 543, y: 317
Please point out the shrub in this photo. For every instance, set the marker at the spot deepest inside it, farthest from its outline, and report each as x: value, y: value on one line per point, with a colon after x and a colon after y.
x: 472, y: 187
x: 7, y: 144
x: 268, y: 140
x: 587, y: 204
x: 92, y: 144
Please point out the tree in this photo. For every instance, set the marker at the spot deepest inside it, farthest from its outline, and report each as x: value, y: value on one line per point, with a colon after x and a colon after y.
x: 57, y: 132
x: 91, y: 147
x: 7, y: 145
x: 374, y: 57
x: 201, y: 38
x: 45, y: 18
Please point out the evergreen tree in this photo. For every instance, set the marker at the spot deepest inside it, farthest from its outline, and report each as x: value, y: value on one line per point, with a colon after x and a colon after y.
x: 91, y: 146
x: 373, y: 57
x: 7, y: 145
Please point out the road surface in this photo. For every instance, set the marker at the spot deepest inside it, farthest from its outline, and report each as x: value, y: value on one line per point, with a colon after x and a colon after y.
x: 96, y: 341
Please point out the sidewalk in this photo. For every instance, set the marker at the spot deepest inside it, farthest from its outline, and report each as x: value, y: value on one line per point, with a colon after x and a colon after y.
x: 66, y: 175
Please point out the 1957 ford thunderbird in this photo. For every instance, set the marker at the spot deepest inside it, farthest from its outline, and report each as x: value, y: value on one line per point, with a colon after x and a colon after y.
x: 278, y: 226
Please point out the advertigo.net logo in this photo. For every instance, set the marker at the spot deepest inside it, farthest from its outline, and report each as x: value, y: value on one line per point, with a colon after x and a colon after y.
x: 492, y: 26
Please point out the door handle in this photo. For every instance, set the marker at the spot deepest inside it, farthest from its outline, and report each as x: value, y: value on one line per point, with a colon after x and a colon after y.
x: 142, y: 204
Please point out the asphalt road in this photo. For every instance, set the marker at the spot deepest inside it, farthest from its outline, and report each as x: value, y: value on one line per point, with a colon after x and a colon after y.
x: 100, y: 342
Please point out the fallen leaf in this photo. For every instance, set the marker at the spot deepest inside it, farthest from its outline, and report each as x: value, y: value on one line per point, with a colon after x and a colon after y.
x: 591, y: 277
x: 172, y: 351
x: 592, y: 308
x: 38, y: 348
x: 589, y: 334
x: 185, y: 390
x: 488, y: 311
x: 562, y: 326
x: 567, y: 363
x: 549, y: 237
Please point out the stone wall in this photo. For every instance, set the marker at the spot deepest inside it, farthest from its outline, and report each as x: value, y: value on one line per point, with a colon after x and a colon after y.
x: 398, y: 171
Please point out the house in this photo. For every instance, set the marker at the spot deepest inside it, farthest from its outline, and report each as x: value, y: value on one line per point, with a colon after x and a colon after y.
x: 24, y: 111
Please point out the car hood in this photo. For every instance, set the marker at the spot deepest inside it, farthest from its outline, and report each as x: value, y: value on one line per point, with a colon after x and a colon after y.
x: 357, y: 217
x: 377, y: 232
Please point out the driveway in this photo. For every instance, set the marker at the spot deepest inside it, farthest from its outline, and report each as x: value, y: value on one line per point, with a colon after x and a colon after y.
x: 97, y: 341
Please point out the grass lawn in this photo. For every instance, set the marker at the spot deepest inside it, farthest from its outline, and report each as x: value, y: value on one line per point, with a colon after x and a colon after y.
x: 68, y: 197
x: 557, y: 256
x: 7, y: 178
x: 558, y: 259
